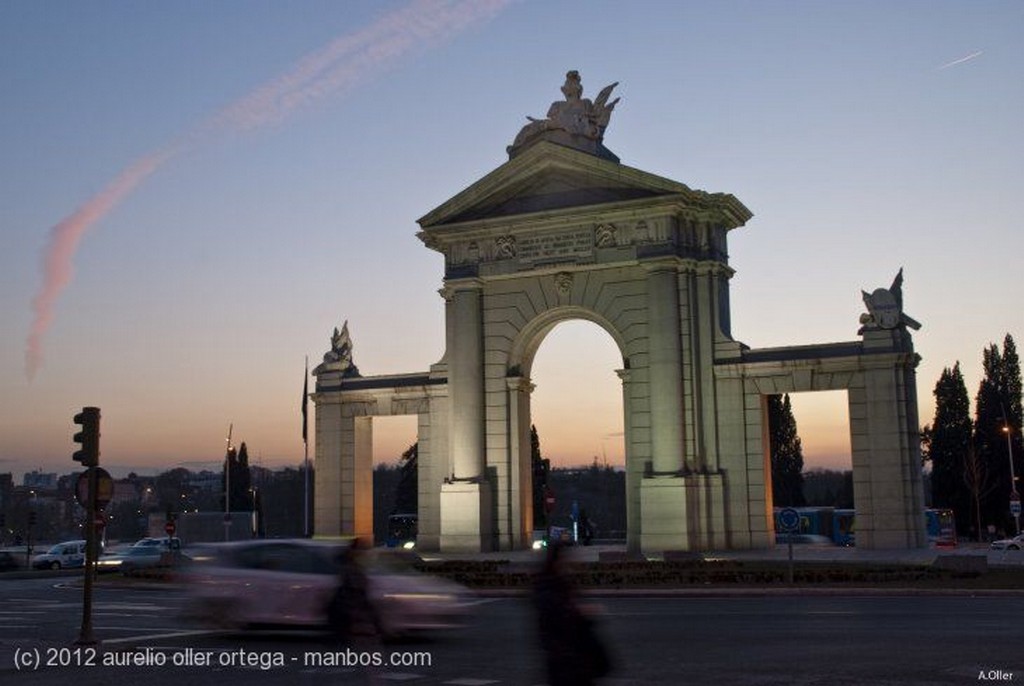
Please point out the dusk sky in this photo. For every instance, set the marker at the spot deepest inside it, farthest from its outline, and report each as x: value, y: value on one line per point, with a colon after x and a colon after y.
x: 194, y: 194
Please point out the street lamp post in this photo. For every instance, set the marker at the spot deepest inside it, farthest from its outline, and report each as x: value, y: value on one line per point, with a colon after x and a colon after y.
x: 1014, y: 495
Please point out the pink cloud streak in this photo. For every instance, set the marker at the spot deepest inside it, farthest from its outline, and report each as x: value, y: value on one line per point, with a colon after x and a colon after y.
x: 342, y: 64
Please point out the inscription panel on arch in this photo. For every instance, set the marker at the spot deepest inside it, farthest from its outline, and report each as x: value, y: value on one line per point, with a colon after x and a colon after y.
x: 567, y: 246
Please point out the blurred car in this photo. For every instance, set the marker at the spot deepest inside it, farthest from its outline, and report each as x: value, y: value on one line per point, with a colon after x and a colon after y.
x: 1015, y: 543
x: 802, y: 539
x: 8, y: 561
x: 66, y: 555
x: 292, y: 582
x: 164, y: 542
x: 142, y: 557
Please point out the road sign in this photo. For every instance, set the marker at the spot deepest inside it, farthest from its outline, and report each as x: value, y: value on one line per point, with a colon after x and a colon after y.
x: 169, y: 528
x: 100, y: 521
x: 104, y: 488
x: 789, y: 520
x: 1015, y: 505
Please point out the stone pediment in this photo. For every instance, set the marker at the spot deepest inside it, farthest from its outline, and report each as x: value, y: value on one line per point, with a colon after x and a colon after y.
x: 548, y: 177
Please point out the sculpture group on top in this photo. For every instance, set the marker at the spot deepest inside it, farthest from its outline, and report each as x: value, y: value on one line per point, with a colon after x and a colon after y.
x: 575, y: 122
x: 339, y: 357
x: 885, y: 307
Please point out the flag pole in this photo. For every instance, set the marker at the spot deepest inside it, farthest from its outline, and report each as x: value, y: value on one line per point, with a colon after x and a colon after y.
x: 227, y: 486
x: 305, y: 447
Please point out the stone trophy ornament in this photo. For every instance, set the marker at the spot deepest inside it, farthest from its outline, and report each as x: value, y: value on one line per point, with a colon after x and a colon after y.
x: 885, y: 308
x: 339, y: 357
x: 575, y: 122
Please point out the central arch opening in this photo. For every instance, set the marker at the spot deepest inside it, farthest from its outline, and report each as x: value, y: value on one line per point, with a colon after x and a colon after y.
x: 577, y: 411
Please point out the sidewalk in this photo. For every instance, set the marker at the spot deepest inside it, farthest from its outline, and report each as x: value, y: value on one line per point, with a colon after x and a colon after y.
x: 801, y: 553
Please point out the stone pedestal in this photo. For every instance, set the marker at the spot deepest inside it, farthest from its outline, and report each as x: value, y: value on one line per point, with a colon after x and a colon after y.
x: 466, y: 517
x: 682, y: 513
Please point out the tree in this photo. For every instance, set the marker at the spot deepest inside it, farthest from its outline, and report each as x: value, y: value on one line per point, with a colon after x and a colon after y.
x: 998, y: 412
x: 240, y: 483
x: 947, y: 441
x: 979, y: 486
x: 407, y: 493
x: 787, y: 457
x: 541, y: 468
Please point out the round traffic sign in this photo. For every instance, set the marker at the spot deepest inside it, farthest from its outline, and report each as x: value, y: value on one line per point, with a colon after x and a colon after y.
x: 169, y: 528
x: 104, y: 488
x: 789, y: 520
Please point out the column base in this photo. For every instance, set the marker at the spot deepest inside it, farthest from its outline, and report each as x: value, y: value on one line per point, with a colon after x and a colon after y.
x: 466, y: 518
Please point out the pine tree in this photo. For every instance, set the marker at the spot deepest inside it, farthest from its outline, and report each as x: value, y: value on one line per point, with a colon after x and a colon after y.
x: 787, y: 457
x: 948, y: 440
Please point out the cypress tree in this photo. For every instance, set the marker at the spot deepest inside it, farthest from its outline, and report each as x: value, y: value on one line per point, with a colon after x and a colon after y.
x: 998, y: 413
x: 948, y: 440
x: 787, y: 457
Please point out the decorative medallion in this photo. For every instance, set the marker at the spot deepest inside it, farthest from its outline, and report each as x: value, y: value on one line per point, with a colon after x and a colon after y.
x: 604, y: 236
x: 506, y: 247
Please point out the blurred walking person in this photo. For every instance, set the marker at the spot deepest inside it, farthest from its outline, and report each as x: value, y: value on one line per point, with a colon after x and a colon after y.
x: 574, y: 653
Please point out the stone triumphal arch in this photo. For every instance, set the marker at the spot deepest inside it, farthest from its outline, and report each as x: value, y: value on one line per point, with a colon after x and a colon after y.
x: 564, y: 231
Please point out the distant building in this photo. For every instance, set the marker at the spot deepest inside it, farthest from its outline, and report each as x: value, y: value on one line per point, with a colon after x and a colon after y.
x: 40, y: 481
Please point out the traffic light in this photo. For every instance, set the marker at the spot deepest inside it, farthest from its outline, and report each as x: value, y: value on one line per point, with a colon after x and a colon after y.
x: 88, y: 437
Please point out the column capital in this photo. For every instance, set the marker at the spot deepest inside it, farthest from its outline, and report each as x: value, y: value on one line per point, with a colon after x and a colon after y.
x: 624, y: 374
x: 471, y: 283
x: 520, y: 383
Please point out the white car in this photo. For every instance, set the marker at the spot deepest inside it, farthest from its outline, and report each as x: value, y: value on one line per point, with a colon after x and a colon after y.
x: 1015, y: 543
x: 67, y: 555
x: 292, y: 582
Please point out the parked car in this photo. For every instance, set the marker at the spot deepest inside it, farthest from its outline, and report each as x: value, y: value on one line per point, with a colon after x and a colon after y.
x: 292, y: 582
x: 1015, y: 543
x: 66, y: 555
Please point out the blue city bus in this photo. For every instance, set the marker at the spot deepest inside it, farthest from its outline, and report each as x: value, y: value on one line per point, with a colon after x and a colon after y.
x: 941, y: 527
x: 839, y: 525
x: 402, y: 530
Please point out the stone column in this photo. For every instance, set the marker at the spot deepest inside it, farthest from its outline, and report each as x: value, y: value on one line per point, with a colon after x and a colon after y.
x: 467, y: 517
x: 634, y: 465
x: 520, y: 468
x: 665, y: 365
x: 466, y: 382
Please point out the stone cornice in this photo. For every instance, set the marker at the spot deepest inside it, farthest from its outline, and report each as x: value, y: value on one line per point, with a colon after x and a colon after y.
x: 671, y: 197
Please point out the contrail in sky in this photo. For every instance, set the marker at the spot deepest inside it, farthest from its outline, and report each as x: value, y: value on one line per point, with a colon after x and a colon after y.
x: 947, y: 65
x: 340, y: 65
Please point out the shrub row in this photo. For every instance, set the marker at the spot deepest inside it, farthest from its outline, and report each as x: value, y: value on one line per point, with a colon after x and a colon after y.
x: 645, y: 574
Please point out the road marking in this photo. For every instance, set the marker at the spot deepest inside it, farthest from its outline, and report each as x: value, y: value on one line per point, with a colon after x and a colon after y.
x: 137, y: 628
x: 153, y: 637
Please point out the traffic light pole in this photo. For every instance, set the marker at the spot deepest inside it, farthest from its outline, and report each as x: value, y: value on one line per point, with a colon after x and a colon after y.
x: 85, y: 635
x: 89, y: 457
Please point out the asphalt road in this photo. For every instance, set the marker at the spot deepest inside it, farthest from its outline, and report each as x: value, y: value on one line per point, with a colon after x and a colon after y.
x: 763, y: 640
